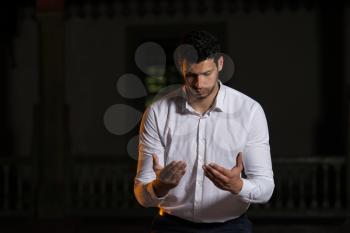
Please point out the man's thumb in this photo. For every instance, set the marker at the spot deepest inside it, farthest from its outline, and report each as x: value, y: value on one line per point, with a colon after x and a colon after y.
x: 239, y: 161
x: 155, y: 160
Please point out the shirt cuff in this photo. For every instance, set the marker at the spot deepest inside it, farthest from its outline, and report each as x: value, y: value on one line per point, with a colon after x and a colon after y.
x: 246, y: 192
x: 153, y: 194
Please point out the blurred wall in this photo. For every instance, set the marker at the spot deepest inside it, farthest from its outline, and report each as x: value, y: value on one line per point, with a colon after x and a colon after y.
x: 276, y: 55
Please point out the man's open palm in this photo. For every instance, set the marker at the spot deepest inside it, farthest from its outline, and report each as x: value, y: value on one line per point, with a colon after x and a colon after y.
x: 171, y: 174
x: 226, y: 179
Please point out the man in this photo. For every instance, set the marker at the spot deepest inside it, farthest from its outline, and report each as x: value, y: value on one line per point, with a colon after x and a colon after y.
x: 194, y: 144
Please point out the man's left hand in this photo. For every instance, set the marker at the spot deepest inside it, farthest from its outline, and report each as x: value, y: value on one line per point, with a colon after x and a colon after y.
x: 226, y: 179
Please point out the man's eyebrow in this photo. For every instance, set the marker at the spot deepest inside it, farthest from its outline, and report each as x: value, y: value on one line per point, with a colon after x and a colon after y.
x: 208, y: 71
x: 191, y: 73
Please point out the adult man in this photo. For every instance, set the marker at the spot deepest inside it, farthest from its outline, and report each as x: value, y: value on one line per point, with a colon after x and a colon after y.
x: 194, y: 144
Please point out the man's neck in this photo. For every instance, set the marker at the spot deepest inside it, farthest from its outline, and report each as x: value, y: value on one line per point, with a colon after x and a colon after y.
x: 203, y: 105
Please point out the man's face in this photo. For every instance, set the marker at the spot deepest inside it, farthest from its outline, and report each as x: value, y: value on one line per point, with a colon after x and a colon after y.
x: 201, y: 78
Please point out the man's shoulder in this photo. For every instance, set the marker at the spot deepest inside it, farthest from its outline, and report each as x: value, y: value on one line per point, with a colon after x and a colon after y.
x: 167, y: 98
x: 238, y: 98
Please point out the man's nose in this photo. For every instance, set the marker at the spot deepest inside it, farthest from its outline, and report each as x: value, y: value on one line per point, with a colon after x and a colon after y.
x: 199, y: 81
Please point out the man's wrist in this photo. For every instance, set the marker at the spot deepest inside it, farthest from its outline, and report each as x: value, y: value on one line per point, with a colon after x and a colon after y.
x: 238, y: 187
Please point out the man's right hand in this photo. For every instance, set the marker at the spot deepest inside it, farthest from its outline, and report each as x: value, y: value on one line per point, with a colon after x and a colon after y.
x: 167, y: 177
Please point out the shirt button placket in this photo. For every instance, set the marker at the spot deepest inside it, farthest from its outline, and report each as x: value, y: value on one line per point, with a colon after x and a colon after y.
x: 199, y: 177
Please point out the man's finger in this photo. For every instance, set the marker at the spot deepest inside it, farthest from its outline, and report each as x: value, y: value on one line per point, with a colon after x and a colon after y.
x: 168, y: 168
x: 239, y: 161
x: 173, y: 172
x: 220, y: 169
x: 178, y: 174
x: 217, y: 174
x: 178, y: 170
x: 213, y: 179
x: 180, y: 165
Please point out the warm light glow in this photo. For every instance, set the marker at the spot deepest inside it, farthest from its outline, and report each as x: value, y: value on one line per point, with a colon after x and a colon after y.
x: 161, y: 212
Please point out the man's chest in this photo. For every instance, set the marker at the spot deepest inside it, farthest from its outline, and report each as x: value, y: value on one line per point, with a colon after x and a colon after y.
x: 215, y: 138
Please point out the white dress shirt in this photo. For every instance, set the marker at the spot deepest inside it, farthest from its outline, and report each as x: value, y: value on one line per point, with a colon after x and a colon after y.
x: 173, y: 130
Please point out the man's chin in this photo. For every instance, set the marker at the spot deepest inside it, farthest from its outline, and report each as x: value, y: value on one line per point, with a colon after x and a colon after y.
x: 200, y: 95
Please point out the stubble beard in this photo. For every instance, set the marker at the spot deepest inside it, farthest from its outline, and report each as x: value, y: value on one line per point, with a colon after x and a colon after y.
x: 197, y: 96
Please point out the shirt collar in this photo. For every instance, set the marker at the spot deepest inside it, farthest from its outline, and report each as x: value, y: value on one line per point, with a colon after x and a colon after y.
x: 218, y: 102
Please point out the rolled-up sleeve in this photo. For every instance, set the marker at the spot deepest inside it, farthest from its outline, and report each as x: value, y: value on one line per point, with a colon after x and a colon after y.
x: 149, y: 143
x: 259, y: 183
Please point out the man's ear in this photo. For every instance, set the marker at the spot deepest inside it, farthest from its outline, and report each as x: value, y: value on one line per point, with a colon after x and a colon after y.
x: 220, y: 63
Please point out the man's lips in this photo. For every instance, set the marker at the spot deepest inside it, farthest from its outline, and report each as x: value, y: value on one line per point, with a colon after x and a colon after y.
x: 198, y: 90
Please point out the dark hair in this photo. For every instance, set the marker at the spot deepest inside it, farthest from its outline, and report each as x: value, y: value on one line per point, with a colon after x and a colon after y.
x: 198, y: 46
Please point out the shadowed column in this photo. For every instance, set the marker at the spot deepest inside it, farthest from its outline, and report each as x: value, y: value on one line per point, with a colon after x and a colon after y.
x: 51, y: 111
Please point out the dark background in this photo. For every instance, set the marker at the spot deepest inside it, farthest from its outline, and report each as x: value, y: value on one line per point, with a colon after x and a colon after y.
x: 61, y: 169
